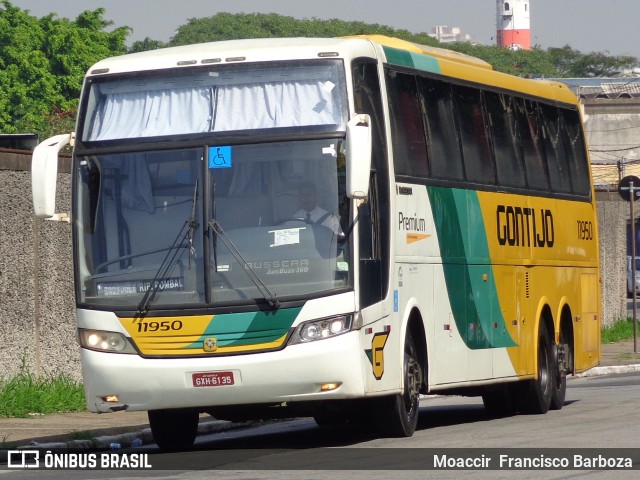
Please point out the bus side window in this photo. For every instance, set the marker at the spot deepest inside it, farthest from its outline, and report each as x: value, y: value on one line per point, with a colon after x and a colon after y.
x: 409, y: 149
x: 444, y: 149
x: 557, y: 159
x: 474, y: 136
x: 503, y: 134
x: 576, y: 151
x: 529, y: 139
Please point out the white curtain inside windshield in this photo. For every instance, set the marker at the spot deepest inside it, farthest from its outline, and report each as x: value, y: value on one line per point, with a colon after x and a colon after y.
x: 158, y: 107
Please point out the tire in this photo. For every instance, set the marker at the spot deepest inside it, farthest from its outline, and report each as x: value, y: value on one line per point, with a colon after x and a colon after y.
x: 559, y: 390
x: 536, y: 393
x: 174, y: 429
x: 398, y: 415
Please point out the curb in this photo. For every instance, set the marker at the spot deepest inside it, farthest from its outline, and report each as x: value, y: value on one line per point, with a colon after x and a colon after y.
x: 609, y: 370
x: 116, y: 442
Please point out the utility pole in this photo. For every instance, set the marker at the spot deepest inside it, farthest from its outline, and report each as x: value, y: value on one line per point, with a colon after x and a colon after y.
x: 628, y: 188
x: 632, y: 191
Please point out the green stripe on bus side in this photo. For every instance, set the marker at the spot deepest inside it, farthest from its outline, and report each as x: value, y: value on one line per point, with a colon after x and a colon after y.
x: 472, y: 294
x: 476, y: 246
x: 411, y: 60
x: 250, y: 328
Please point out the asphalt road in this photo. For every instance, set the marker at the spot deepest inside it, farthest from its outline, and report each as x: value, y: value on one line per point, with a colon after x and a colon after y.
x: 600, y: 413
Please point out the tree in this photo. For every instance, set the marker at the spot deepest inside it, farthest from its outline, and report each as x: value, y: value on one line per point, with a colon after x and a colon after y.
x: 43, y: 62
x: 523, y: 63
x: 554, y: 62
x: 572, y: 63
x: 227, y: 26
x: 146, y: 44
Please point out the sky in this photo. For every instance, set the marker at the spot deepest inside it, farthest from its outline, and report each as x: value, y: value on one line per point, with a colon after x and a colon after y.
x: 611, y: 26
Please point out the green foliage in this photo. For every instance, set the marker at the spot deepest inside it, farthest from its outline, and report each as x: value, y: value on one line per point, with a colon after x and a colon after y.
x: 227, y: 26
x: 43, y: 62
x: 25, y: 393
x: 147, y: 44
x: 620, y: 330
x: 572, y: 63
x: 555, y: 62
x: 523, y: 63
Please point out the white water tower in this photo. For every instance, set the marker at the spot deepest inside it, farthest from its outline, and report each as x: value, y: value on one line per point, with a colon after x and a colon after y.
x: 513, y: 23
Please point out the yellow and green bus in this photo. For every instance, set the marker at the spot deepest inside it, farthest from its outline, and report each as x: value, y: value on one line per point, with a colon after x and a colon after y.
x: 325, y: 227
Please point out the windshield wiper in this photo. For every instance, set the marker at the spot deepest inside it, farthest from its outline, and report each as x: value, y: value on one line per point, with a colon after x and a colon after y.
x: 193, y: 225
x: 173, y: 253
x: 266, y: 292
x: 168, y: 262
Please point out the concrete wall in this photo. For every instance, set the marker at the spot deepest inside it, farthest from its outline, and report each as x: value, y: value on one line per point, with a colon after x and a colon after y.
x: 37, y: 312
x: 613, y: 214
x: 37, y: 319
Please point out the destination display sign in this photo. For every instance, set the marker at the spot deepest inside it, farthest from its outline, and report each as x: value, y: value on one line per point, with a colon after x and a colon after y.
x: 136, y: 287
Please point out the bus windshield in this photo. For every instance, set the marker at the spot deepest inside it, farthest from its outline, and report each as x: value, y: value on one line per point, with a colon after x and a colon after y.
x: 212, y: 225
x: 214, y: 99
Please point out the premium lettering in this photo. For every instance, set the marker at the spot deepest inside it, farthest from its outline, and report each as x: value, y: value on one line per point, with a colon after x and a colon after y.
x: 411, y: 223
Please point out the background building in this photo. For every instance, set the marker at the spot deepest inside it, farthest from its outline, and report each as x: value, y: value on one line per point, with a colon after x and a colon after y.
x: 445, y: 34
x: 611, y: 111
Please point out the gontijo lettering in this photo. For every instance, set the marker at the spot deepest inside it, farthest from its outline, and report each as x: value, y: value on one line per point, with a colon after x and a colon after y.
x: 524, y: 227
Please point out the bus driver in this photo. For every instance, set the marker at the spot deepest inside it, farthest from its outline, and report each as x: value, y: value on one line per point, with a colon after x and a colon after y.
x: 311, y: 212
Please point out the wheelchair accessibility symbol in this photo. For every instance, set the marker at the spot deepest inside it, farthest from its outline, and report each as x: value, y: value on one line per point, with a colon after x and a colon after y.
x: 220, y: 157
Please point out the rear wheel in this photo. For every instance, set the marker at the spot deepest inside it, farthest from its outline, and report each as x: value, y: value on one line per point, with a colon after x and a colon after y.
x: 174, y: 429
x: 536, y: 394
x: 559, y: 391
x: 398, y: 415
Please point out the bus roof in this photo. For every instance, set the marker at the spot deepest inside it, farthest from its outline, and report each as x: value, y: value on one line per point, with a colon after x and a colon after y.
x: 393, y: 50
x: 230, y: 51
x: 426, y: 50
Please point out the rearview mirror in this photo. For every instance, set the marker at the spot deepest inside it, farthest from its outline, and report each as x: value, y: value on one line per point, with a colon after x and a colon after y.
x: 358, y: 155
x: 44, y: 174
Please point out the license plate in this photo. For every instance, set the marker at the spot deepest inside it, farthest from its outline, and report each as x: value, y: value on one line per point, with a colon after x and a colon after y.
x: 212, y: 379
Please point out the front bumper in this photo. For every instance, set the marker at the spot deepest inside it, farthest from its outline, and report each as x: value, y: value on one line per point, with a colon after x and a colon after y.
x: 129, y: 382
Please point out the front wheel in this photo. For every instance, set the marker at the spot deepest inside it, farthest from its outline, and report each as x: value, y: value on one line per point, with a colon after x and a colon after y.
x: 398, y: 414
x: 174, y: 429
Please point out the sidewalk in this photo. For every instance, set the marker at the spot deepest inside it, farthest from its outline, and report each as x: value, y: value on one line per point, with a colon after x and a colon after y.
x: 90, y: 430
x: 619, y: 353
x: 618, y: 357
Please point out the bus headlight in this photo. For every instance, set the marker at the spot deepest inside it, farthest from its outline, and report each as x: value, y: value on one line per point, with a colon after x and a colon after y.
x: 321, y: 329
x: 102, y: 341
